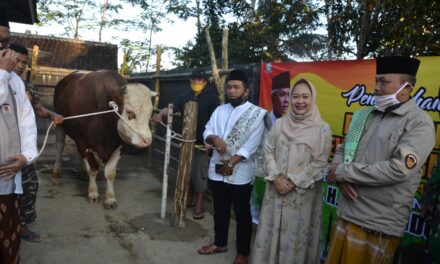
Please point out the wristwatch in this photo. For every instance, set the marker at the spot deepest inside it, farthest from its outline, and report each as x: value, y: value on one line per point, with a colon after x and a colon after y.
x: 230, y: 164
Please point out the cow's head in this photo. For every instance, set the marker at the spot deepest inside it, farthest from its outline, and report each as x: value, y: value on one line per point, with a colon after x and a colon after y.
x: 137, y: 112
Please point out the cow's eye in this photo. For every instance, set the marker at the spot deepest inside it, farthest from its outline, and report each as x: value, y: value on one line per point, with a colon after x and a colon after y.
x: 131, y: 115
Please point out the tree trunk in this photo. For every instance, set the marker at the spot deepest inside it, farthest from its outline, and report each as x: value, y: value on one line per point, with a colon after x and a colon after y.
x: 215, y: 73
x: 330, y: 31
x: 368, y: 21
x: 103, y: 13
x: 157, y: 80
x: 185, y: 163
x: 225, y: 59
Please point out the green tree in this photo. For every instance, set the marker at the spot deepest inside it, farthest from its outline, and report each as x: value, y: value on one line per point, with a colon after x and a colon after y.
x: 72, y: 14
x: 263, y: 31
x: 108, y: 9
x: 382, y: 27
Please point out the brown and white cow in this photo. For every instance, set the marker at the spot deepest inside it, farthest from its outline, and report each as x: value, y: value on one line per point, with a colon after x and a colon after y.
x: 99, y: 138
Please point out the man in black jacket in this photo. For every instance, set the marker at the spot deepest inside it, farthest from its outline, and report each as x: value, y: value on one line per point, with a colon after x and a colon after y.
x: 207, y: 100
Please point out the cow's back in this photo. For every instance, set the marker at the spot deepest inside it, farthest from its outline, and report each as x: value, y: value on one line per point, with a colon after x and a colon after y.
x: 82, y: 93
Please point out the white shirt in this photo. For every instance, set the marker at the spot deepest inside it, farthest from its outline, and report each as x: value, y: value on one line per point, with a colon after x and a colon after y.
x: 220, y: 124
x: 26, y: 120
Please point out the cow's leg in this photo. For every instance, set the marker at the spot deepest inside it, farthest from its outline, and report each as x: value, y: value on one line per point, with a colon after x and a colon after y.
x: 110, y: 176
x: 59, y: 145
x: 92, y: 195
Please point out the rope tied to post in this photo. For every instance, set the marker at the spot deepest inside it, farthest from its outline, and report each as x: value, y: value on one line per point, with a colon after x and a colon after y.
x: 177, y: 136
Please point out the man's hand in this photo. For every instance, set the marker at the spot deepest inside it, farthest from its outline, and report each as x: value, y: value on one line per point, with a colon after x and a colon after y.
x: 8, y: 60
x: 348, y: 190
x: 331, y: 176
x: 15, y: 164
x: 156, y: 118
x: 57, y: 119
x: 225, y: 170
x: 283, y: 185
x: 220, y: 145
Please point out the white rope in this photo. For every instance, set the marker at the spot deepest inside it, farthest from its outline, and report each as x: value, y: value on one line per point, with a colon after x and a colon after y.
x: 177, y: 136
x: 114, y: 110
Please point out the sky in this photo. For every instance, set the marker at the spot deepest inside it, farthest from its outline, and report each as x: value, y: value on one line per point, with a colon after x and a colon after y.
x: 175, y: 34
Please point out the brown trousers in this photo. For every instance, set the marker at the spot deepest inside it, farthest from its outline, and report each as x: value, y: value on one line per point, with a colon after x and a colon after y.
x: 9, y: 229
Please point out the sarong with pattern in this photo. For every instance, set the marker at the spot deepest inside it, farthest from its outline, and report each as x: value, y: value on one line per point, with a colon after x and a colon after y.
x: 351, y: 244
x: 9, y: 229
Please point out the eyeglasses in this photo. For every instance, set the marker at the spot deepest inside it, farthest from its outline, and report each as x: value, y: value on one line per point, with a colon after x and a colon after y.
x: 6, y: 43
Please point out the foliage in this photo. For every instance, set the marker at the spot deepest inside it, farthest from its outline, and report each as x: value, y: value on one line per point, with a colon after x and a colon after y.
x: 381, y: 27
x: 275, y: 30
x: 136, y: 55
x: 261, y: 30
x: 69, y: 13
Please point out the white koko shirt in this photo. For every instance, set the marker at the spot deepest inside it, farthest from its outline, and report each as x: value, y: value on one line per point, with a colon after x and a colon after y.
x: 220, y: 124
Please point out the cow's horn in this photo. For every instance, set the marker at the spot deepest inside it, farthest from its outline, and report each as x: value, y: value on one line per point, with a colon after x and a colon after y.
x: 153, y: 93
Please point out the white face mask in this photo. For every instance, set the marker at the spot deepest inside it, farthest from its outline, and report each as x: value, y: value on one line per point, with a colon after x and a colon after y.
x: 4, y: 92
x: 385, y: 101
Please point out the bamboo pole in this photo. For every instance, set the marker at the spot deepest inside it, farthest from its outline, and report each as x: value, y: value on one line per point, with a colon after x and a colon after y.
x: 157, y: 84
x: 215, y: 73
x: 157, y: 81
x: 166, y: 162
x: 225, y: 60
x: 185, y: 163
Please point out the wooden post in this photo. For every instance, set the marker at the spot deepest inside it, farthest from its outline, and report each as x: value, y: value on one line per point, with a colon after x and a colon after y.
x: 34, y: 63
x: 166, y: 162
x: 185, y: 163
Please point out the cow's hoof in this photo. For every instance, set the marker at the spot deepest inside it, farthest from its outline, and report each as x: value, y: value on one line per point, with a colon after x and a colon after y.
x: 93, y: 198
x: 56, y: 181
x: 110, y: 204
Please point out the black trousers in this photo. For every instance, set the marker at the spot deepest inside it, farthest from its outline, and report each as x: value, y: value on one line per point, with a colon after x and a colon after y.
x: 225, y: 195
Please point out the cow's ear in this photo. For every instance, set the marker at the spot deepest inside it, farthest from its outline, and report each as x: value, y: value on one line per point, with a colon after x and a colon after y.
x: 153, y: 93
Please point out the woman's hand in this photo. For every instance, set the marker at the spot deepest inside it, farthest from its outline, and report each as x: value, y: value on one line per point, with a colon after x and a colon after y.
x: 283, y: 185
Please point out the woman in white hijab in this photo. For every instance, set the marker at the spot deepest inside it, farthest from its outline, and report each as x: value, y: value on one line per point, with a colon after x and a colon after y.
x: 295, y: 156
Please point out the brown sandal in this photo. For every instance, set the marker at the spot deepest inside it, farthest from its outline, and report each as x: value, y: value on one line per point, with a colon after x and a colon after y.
x: 211, y: 249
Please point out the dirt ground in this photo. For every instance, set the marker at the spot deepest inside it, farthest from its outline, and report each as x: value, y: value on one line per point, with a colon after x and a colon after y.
x: 74, y: 231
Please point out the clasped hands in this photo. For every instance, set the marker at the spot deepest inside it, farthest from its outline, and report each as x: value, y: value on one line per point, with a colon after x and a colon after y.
x: 223, y: 168
x: 284, y: 185
x: 346, y: 188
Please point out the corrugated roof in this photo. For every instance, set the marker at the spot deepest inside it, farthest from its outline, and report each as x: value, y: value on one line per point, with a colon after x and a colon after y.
x: 71, y: 53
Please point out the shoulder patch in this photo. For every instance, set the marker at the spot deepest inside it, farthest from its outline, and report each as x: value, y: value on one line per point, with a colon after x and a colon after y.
x: 410, y: 161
